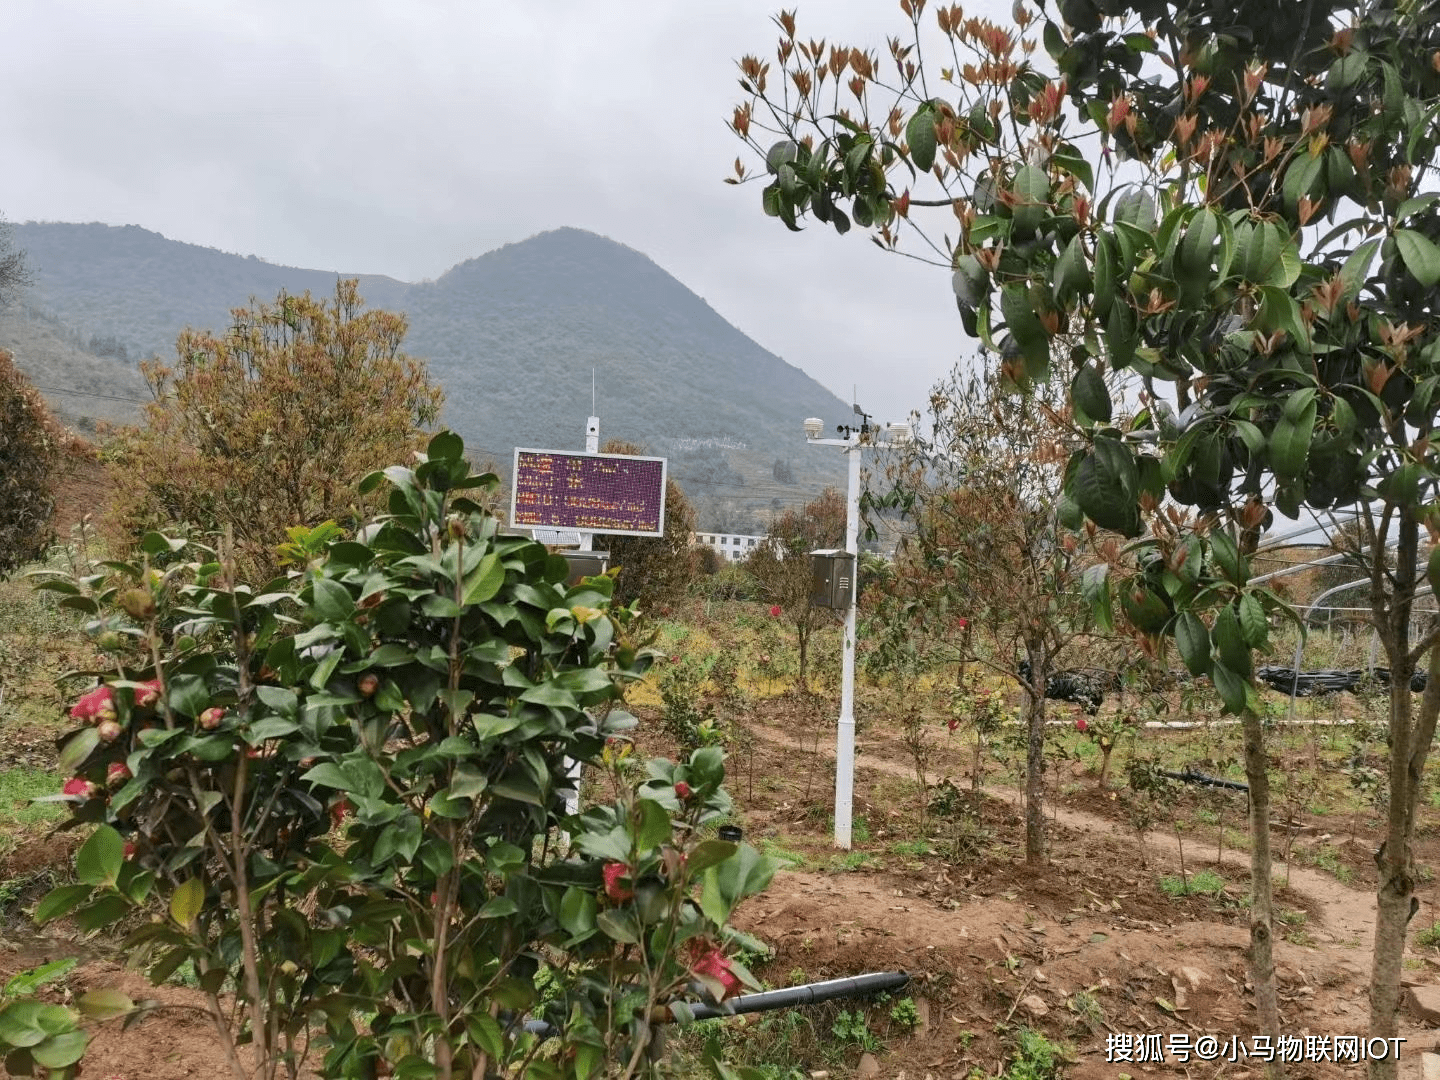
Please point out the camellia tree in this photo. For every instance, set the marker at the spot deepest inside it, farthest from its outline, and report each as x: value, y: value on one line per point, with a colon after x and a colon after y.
x: 340, y: 799
x: 987, y: 548
x: 1226, y: 198
x: 781, y: 567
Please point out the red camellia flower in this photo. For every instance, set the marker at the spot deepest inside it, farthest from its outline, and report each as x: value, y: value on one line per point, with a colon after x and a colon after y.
x: 962, y: 623
x: 775, y: 611
x: 117, y: 773
x: 210, y: 718
x: 129, y: 849
x: 952, y: 723
x: 109, y: 730
x: 682, y: 790
x: 78, y: 785
x: 96, y: 706
x: 147, y: 693
x: 1081, y: 726
x: 613, y: 872
x: 707, y: 959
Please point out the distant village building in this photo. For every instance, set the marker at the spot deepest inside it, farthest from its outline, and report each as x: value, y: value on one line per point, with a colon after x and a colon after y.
x: 732, y: 546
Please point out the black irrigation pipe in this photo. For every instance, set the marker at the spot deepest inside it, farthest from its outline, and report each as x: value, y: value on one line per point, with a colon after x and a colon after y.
x: 785, y: 998
x: 1207, y: 781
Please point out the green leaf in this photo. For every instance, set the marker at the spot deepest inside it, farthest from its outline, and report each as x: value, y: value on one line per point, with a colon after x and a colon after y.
x: 1089, y: 393
x: 498, y: 907
x: 1357, y: 267
x: 332, y: 600
x: 577, y: 911
x: 61, y: 1051
x: 1193, y: 640
x: 104, y: 1004
x: 619, y: 924
x: 100, y: 859
x: 1230, y: 642
x: 485, y: 581
x: 187, y: 901
x: 1422, y: 257
x: 1254, y: 626
x: 1027, y: 330
x: 920, y: 136
x: 1230, y: 686
x: 1032, y: 192
x: 62, y: 901
x: 25, y: 983
x: 1070, y: 275
x: 77, y: 749
x: 746, y: 873
x: 327, y: 774
x: 710, y: 853
x: 654, y: 825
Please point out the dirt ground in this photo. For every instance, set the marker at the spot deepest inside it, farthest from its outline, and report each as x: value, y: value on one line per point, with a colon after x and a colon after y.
x: 1086, y: 949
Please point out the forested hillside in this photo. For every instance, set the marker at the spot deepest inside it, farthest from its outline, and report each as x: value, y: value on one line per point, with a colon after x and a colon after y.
x: 512, y: 335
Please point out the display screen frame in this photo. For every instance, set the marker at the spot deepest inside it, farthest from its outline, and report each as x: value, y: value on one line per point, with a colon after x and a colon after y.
x: 523, y: 516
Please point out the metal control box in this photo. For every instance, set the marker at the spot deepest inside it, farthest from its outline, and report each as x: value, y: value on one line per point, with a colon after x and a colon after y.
x: 585, y: 564
x: 832, y: 578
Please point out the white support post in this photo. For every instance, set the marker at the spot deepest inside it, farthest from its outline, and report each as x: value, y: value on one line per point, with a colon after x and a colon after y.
x: 845, y: 729
x: 587, y: 543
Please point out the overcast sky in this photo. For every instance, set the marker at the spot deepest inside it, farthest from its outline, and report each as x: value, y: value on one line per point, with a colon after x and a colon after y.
x: 402, y: 138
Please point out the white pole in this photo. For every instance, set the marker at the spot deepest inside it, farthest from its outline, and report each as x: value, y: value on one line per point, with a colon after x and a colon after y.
x: 592, y: 446
x: 845, y: 730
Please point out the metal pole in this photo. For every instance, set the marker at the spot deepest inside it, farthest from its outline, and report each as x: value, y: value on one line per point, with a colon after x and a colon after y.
x: 845, y: 730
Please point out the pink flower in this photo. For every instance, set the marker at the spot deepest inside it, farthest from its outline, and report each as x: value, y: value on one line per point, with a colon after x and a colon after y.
x: 775, y: 611
x: 147, y: 693
x: 613, y: 872
x: 1081, y: 726
x: 962, y: 623
x: 97, y: 705
x: 682, y: 790
x: 78, y: 785
x: 709, y: 961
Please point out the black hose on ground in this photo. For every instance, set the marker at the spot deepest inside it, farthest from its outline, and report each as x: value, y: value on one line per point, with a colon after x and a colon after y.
x: 785, y: 998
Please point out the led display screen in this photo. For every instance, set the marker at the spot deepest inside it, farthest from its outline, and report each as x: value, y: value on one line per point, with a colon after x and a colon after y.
x: 602, y: 493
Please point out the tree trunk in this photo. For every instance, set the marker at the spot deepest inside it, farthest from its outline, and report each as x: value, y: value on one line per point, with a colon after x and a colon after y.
x: 1410, y: 740
x: 1262, y: 904
x: 804, y: 636
x: 1035, y: 758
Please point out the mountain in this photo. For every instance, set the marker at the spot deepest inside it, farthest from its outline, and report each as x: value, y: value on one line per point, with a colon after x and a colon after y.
x: 513, y: 336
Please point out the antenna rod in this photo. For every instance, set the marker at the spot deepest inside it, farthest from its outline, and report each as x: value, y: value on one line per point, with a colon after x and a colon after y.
x: 592, y: 391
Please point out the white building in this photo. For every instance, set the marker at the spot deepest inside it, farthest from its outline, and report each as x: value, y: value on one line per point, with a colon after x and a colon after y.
x: 733, y: 546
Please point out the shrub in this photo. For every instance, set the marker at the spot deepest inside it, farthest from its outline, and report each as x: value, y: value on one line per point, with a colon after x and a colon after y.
x: 271, y: 423
x: 339, y: 797
x: 32, y: 446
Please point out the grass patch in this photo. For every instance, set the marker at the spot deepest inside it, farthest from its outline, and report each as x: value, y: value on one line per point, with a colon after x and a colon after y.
x: 1428, y: 937
x: 912, y: 848
x: 1200, y: 883
x: 18, y: 787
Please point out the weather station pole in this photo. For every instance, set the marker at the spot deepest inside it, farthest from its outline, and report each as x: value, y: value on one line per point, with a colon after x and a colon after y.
x: 852, y: 441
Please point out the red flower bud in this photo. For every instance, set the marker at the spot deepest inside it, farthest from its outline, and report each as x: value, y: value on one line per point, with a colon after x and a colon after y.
x: 117, y: 773
x: 776, y: 611
x: 368, y: 684
x: 78, y: 785
x: 340, y: 810
x: 129, y: 849
x: 682, y: 790
x: 707, y: 960
x: 109, y: 731
x: 97, y: 705
x: 613, y: 872
x: 952, y: 723
x: 210, y: 718
x: 1081, y: 726
x: 147, y: 693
